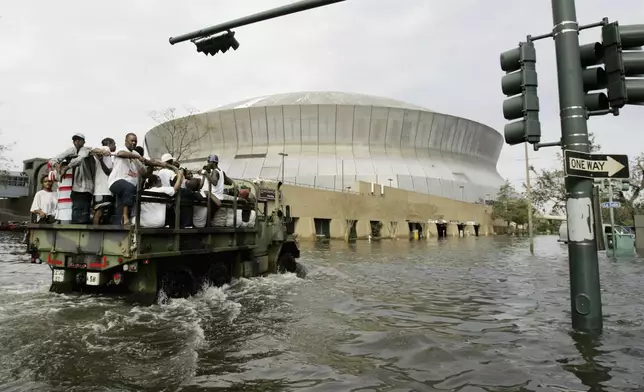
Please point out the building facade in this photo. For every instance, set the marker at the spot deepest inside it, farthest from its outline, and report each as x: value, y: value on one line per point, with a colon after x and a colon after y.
x: 333, y: 139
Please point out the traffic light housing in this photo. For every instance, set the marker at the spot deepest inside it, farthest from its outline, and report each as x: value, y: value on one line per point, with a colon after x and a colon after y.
x: 520, y: 84
x: 624, y: 59
x: 594, y: 78
x: 212, y: 45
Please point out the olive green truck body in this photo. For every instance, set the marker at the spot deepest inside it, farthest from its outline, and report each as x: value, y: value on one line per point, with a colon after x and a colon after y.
x: 178, y: 261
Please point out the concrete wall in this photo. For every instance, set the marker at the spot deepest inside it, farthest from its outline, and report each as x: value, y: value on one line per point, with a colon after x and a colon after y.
x: 394, y: 205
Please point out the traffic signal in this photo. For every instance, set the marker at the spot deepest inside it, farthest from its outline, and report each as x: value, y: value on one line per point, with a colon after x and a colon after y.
x: 212, y: 45
x: 520, y: 83
x: 594, y: 78
x: 624, y: 59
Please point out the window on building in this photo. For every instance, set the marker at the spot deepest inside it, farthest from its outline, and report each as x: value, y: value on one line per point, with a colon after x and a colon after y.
x: 322, y: 227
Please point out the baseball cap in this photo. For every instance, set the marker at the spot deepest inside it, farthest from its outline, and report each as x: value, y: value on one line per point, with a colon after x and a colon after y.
x: 78, y: 136
x: 167, y: 157
x: 213, y: 158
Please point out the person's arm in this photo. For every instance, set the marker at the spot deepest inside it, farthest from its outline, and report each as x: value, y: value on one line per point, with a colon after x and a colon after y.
x: 228, y: 180
x: 178, y: 181
x: 129, y: 155
x: 36, y: 208
x: 155, y: 163
x: 82, y: 154
x: 55, y: 161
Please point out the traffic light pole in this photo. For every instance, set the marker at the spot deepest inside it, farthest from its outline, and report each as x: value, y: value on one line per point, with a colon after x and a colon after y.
x: 586, y: 307
x: 528, y: 188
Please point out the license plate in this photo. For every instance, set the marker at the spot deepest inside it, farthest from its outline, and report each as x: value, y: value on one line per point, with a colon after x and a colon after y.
x: 59, y: 275
x: 93, y: 278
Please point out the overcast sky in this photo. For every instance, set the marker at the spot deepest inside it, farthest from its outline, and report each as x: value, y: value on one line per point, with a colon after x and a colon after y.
x: 100, y: 68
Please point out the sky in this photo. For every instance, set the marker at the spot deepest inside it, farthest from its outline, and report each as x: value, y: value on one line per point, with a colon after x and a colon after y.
x: 101, y: 68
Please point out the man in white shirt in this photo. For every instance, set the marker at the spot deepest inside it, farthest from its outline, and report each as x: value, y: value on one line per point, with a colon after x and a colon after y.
x: 44, y: 204
x: 212, y: 174
x: 103, y: 199
x: 124, y: 178
x: 154, y: 214
x: 166, y: 174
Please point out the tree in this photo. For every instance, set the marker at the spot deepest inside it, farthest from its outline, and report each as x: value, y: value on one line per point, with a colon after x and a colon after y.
x: 5, y: 161
x: 549, y: 189
x: 347, y: 204
x: 502, y: 207
x: 181, y: 136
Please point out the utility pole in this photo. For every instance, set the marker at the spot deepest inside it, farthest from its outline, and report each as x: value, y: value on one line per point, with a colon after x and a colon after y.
x: 586, y: 307
x: 528, y: 188
x: 611, y: 212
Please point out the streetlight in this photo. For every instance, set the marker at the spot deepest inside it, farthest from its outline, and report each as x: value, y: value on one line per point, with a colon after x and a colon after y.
x: 390, y: 180
x: 462, y: 189
x: 283, y: 154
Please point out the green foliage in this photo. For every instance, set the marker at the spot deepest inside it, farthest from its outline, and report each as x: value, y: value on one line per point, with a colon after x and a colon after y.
x: 510, y: 206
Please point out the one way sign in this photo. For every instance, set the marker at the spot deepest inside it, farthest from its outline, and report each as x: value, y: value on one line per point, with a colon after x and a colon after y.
x: 581, y: 164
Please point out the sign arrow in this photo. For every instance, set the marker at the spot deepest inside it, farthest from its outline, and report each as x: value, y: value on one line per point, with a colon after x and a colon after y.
x: 580, y: 164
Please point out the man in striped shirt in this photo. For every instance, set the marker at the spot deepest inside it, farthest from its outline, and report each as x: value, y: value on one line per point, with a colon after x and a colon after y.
x: 83, y: 177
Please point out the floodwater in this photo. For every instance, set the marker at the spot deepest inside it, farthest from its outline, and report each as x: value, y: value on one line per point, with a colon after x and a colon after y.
x: 472, y: 314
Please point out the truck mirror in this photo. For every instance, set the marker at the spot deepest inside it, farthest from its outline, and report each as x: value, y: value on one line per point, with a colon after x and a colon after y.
x: 288, y: 212
x: 279, y: 185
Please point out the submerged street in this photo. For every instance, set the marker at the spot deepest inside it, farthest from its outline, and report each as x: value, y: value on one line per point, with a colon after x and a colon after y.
x: 472, y: 314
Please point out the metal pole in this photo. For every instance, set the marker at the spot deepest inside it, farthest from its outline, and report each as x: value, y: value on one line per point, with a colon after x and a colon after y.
x: 258, y: 17
x: 342, y: 168
x: 611, y: 211
x: 528, y: 187
x: 585, y: 296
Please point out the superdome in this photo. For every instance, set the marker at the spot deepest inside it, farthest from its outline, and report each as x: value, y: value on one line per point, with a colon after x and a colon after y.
x: 333, y: 139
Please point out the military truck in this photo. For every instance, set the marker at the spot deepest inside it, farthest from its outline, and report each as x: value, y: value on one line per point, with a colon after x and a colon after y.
x: 251, y: 240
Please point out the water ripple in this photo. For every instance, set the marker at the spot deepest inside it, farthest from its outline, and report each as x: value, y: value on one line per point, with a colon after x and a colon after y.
x: 472, y: 314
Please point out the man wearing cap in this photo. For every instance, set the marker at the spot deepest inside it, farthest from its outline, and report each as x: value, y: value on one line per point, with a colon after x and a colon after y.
x: 212, y: 174
x: 83, y: 177
x: 166, y: 174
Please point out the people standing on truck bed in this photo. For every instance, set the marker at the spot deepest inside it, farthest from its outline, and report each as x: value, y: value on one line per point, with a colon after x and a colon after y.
x: 124, y: 178
x: 214, y: 175
x: 103, y: 199
x: 154, y: 214
x: 64, y: 192
x: 83, y: 177
x: 44, y: 203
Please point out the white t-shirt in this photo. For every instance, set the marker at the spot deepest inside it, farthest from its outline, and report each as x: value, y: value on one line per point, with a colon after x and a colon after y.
x: 153, y: 214
x: 101, y: 180
x: 125, y: 169
x: 217, y: 189
x: 45, y: 201
x: 199, y: 216
x: 166, y: 175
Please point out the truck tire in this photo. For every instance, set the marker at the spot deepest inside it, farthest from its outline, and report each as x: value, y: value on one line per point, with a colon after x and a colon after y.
x: 178, y: 282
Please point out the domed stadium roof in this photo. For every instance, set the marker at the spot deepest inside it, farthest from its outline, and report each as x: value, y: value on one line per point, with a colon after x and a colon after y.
x: 319, y: 98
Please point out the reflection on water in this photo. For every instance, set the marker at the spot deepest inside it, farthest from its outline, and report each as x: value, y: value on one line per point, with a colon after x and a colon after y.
x: 472, y: 314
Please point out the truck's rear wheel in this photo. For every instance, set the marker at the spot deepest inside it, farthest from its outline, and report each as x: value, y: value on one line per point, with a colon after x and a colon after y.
x: 178, y: 282
x: 286, y: 263
x: 218, y: 274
